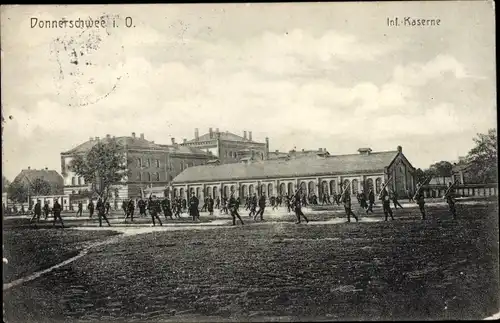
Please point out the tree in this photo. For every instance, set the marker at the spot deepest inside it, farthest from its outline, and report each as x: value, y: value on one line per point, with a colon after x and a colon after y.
x: 104, y: 165
x: 18, y: 192
x: 5, y: 184
x: 483, y: 158
x: 39, y: 186
x: 423, y: 176
x: 442, y: 169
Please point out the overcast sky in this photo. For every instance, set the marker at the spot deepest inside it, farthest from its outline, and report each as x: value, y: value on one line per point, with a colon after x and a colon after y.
x: 330, y: 75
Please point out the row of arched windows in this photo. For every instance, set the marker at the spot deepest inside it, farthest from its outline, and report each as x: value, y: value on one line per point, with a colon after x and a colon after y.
x: 77, y: 181
x: 147, y: 163
x: 148, y: 177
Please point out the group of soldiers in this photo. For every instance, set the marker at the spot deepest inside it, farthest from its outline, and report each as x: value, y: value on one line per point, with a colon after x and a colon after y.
x: 255, y: 205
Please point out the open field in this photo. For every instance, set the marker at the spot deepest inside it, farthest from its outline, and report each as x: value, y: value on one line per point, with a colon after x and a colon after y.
x: 403, y: 269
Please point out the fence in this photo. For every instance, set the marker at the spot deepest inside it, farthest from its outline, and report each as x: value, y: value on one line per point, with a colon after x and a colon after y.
x: 462, y: 190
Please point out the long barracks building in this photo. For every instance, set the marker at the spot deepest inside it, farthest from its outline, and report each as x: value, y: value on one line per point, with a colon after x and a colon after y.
x: 318, y: 174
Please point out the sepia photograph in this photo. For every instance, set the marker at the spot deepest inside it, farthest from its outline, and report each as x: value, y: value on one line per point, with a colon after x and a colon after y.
x: 250, y: 162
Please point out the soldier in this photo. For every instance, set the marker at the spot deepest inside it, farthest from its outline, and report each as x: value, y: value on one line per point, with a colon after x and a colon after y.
x: 154, y: 208
x: 421, y: 203
x: 394, y: 196
x: 37, y: 211
x: 217, y: 203
x: 142, y: 207
x: 288, y: 203
x: 371, y: 200
x: 274, y: 202
x: 346, y: 200
x: 279, y: 200
x: 247, y: 203
x: 205, y: 202
x: 451, y: 202
x: 298, y: 208
x: 101, y: 212
x: 224, y: 205
x: 178, y: 207
x: 108, y: 207
x: 262, y: 206
x: 124, y: 208
x: 57, y: 213
x: 90, y: 207
x: 193, y: 207
x: 165, y: 205
x: 130, y: 207
x: 253, y: 205
x: 362, y: 200
x: 210, y: 205
x: 233, y: 208
x: 386, y: 203
x: 80, y: 209
x: 46, y: 210
x: 184, y: 204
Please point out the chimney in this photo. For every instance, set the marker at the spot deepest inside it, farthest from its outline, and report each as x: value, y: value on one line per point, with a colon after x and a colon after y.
x: 173, y: 141
x: 142, y: 136
x: 210, y: 133
x: 250, y: 135
x: 245, y: 135
x: 302, y: 149
x: 267, y: 142
x: 400, y: 149
x: 184, y: 140
x: 217, y: 130
x: 29, y: 167
x: 133, y: 134
x: 276, y: 151
x: 320, y: 150
x: 46, y: 168
x: 196, y: 134
x: 108, y: 136
x: 364, y: 151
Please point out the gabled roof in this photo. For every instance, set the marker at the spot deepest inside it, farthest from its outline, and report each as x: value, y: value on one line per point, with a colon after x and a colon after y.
x: 136, y: 143
x: 312, y: 166
x: 226, y: 135
x: 51, y: 176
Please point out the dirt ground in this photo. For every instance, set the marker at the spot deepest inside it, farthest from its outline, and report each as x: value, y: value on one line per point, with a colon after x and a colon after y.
x: 395, y: 270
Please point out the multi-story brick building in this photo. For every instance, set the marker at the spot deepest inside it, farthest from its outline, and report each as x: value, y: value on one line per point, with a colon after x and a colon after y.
x: 318, y: 174
x: 149, y: 165
x: 228, y: 147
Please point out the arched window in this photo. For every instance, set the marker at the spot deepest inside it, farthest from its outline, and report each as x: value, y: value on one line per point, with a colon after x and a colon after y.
x: 214, y: 189
x: 378, y: 183
x: 244, y: 190
x: 226, y: 191
x: 250, y: 190
x: 158, y: 163
x: 198, y: 192
x: 303, y: 188
x: 262, y: 189
x: 148, y: 176
x: 73, y: 180
x: 333, y: 187
x: 354, y: 186
x: 270, y: 189
x: 139, y: 176
x: 282, y: 189
x: 157, y: 177
x: 232, y: 189
x: 79, y: 181
x: 310, y: 188
x: 290, y: 188
x: 369, y: 183
x: 139, y: 162
x: 148, y: 163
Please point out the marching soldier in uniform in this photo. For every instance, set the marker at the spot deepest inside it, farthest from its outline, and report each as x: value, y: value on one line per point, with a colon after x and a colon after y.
x: 210, y: 205
x: 193, y: 207
x: 298, y: 207
x: 371, y: 200
x: 386, y: 203
x: 288, y: 203
x: 56, y: 209
x: 101, y: 212
x: 247, y: 203
x: 217, y: 203
x: 37, y: 211
x: 419, y: 198
x: 224, y: 205
x: 130, y: 207
x: 346, y: 200
x: 178, y: 207
x: 273, y: 202
x: 142, y: 207
x: 90, y: 207
x: 394, y: 196
x: 233, y: 209
x: 154, y: 208
x: 80, y: 209
x: 362, y: 200
x: 165, y: 205
x: 253, y: 205
x: 124, y: 208
x: 451, y: 201
x: 279, y: 200
x: 262, y: 206
x: 205, y: 202
x: 107, y: 207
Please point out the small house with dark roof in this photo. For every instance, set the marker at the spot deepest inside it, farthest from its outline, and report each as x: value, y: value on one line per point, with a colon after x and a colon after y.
x: 315, y: 174
x: 229, y: 147
x: 28, y: 176
x: 150, y: 164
